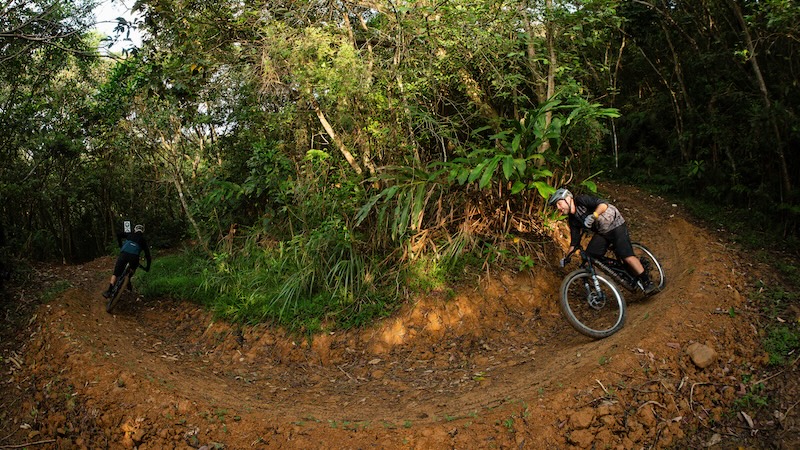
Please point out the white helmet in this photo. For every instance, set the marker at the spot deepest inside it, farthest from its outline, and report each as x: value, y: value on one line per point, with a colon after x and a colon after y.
x: 559, y: 194
x: 138, y: 229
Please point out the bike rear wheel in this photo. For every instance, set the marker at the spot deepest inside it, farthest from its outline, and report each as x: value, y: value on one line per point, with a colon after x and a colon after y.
x: 651, y: 265
x: 119, y: 288
x: 592, y: 313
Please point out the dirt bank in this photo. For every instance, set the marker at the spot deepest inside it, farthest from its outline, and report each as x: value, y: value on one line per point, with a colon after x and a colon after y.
x: 494, y: 367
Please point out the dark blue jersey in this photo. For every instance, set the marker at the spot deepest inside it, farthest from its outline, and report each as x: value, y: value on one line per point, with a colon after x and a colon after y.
x: 134, y: 244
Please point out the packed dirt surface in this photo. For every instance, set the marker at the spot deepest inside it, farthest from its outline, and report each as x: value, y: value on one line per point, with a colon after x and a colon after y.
x: 493, y: 366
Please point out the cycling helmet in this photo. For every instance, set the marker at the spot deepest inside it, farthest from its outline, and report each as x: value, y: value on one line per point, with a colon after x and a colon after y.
x: 559, y: 194
x: 138, y: 229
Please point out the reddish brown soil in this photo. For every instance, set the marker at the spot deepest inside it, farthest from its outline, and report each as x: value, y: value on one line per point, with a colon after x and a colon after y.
x: 493, y: 367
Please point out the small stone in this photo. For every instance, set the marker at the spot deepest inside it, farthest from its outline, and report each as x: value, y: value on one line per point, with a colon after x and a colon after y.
x: 581, y: 419
x: 647, y: 416
x: 702, y: 355
x: 138, y: 436
x: 582, y: 438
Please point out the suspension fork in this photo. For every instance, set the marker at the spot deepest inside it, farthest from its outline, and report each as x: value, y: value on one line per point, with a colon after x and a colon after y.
x: 589, y: 264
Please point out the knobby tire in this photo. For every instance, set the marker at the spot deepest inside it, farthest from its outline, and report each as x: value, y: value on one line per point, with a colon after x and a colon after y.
x: 120, y: 288
x: 651, y: 265
x: 594, y: 321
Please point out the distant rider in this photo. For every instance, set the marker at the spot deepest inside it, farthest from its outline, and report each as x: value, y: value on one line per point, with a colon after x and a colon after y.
x: 133, y: 244
x: 584, y: 211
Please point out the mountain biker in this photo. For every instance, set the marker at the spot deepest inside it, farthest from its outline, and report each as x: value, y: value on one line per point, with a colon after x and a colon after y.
x: 592, y: 213
x: 133, y: 244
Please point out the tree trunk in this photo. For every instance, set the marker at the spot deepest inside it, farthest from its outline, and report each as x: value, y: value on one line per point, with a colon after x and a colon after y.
x: 177, y: 182
x: 762, y: 86
x: 675, y: 103
x: 614, y: 77
x: 172, y: 158
x: 551, y: 69
x: 539, y: 81
x: 329, y: 129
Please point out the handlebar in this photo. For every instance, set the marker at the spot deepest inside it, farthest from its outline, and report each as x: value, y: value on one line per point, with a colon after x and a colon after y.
x: 565, y: 260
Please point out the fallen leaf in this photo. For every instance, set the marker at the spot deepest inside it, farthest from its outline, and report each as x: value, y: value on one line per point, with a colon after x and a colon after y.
x: 715, y: 439
x: 747, y: 419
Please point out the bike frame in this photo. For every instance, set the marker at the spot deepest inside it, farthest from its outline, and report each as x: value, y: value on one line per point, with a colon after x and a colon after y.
x: 615, y: 268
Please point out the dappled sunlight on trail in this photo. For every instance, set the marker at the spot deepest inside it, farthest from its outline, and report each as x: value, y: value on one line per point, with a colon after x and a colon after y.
x: 493, y: 366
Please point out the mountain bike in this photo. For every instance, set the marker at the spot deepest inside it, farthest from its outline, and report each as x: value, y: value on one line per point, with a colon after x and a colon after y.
x: 119, y: 287
x: 592, y: 302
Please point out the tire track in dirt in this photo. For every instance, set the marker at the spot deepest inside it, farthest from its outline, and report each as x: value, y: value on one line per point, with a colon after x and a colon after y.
x: 442, y: 373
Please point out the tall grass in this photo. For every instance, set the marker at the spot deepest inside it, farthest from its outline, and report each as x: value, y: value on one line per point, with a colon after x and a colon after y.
x: 178, y: 275
x: 316, y: 278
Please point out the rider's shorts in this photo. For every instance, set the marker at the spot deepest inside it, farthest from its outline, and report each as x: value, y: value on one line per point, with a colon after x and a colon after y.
x: 618, y: 238
x: 125, y: 258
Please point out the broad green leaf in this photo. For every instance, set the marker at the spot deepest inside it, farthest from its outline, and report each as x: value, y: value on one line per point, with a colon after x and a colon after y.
x: 476, y: 172
x: 515, y: 143
x: 416, y: 212
x: 508, y: 167
x: 462, y: 176
x: 521, y: 165
x: 486, y: 179
x: 544, y: 189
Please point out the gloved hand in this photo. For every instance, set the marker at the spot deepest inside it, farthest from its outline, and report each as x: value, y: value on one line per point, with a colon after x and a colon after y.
x: 564, y: 261
x: 588, y: 221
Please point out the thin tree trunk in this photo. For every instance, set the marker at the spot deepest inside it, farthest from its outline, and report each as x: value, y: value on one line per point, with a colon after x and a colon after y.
x: 614, y: 75
x: 176, y: 181
x: 685, y: 152
x: 539, y: 81
x: 551, y: 69
x: 675, y: 104
x: 762, y: 86
x: 329, y: 129
x: 172, y: 158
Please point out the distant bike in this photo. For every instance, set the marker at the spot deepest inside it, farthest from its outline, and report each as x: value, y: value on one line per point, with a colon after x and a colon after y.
x: 592, y: 303
x: 123, y: 282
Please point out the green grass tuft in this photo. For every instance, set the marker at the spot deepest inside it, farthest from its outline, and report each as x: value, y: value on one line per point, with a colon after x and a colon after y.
x: 781, y: 341
x: 177, y: 275
x: 55, y: 290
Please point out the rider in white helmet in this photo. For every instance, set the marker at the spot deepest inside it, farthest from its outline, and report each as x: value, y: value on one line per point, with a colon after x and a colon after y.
x: 592, y: 213
x: 133, y: 244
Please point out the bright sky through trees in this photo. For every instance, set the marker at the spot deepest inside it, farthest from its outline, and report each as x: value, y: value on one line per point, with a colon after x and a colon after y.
x: 106, y: 15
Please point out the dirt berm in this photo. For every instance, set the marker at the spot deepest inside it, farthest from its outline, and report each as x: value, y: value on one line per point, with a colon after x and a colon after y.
x: 495, y: 366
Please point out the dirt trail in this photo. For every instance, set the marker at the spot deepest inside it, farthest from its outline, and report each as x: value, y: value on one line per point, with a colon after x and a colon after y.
x: 494, y: 367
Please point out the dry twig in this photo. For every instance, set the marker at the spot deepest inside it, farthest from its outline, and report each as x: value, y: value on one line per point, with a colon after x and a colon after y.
x: 48, y: 441
x: 691, y: 395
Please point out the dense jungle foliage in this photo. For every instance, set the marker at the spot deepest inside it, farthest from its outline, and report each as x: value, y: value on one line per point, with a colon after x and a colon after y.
x: 325, y: 158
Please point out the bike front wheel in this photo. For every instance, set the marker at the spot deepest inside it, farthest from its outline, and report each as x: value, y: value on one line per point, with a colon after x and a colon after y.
x: 597, y: 313
x: 650, y: 265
